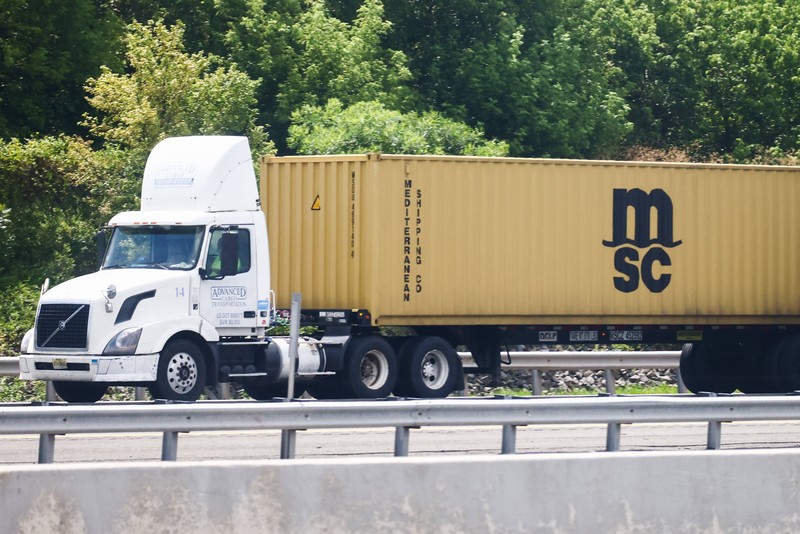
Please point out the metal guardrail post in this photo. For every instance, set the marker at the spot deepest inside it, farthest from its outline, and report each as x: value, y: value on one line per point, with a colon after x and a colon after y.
x: 401, y: 439
x: 714, y: 435
x: 169, y: 447
x: 509, y: 445
x: 611, y: 382
x: 294, y: 337
x: 47, y: 447
x: 50, y: 392
x: 289, y: 436
x: 613, y: 436
x: 139, y: 394
x: 536, y: 382
x: 679, y: 379
x: 288, y: 443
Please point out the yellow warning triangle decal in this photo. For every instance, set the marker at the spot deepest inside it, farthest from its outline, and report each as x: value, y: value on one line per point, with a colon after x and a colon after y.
x: 316, y: 205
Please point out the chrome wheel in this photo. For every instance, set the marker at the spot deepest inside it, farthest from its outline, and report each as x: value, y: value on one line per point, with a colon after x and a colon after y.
x: 182, y: 373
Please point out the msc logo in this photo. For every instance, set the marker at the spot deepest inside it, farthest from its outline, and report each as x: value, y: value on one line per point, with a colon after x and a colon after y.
x: 626, y: 259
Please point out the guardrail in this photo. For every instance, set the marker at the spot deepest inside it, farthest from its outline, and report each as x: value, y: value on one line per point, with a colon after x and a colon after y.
x: 609, y: 361
x: 9, y: 366
x: 404, y: 415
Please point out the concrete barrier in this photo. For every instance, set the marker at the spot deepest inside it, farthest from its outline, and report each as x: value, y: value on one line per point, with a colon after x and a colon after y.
x: 720, y: 491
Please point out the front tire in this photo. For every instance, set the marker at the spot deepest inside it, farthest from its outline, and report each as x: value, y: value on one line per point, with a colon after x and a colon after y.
x: 79, y: 391
x: 181, y: 372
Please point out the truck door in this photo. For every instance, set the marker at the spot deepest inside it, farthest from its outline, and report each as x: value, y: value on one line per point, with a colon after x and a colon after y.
x: 228, y: 297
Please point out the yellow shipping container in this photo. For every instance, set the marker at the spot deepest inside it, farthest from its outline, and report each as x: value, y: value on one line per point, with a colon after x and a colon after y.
x: 420, y: 240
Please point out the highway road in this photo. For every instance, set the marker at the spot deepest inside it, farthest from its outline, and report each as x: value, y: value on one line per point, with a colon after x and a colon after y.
x: 258, y: 445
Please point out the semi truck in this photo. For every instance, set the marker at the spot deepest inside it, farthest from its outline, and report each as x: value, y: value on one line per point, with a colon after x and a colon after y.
x: 401, y: 260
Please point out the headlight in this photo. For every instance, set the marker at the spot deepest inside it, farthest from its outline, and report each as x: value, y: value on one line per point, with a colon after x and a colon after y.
x: 27, y: 342
x: 124, y: 343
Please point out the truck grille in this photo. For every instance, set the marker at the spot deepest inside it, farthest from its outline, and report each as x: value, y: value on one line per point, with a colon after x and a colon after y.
x: 62, y: 326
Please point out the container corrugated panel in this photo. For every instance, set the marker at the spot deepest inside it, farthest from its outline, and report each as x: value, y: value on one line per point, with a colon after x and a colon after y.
x: 459, y: 240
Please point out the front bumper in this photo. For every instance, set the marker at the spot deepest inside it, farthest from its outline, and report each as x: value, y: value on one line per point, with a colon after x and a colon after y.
x: 89, y: 368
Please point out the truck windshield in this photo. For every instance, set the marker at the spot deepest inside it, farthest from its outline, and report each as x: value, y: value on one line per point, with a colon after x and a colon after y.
x: 154, y: 247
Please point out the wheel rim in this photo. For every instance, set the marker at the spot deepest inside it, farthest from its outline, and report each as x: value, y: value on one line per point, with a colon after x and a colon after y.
x: 374, y: 369
x: 434, y: 369
x: 182, y: 373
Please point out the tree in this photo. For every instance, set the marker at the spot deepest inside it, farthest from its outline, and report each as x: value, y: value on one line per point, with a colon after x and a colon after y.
x: 527, y: 70
x: 725, y: 76
x: 169, y: 92
x: 334, y: 59
x: 371, y: 127
x: 48, y: 48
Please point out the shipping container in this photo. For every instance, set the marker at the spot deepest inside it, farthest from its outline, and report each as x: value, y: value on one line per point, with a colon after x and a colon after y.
x: 419, y: 240
x: 488, y: 253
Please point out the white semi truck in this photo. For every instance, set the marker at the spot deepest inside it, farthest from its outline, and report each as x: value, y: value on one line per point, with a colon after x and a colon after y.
x: 400, y: 259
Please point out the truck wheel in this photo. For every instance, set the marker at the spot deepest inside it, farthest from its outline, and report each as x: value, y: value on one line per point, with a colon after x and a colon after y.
x: 181, y: 372
x: 370, y: 368
x: 428, y: 368
x: 79, y: 391
x: 785, y: 365
x: 704, y: 367
x: 258, y: 390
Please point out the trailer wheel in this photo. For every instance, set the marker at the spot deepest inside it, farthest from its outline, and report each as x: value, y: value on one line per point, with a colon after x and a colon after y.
x: 704, y: 368
x: 785, y: 365
x: 370, y: 368
x: 181, y: 372
x: 428, y: 368
x: 259, y: 390
x: 79, y: 391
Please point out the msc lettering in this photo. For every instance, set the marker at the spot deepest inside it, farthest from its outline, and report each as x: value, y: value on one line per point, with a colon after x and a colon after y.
x: 635, y: 259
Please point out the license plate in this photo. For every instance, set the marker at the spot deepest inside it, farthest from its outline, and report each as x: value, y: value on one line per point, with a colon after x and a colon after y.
x: 59, y: 363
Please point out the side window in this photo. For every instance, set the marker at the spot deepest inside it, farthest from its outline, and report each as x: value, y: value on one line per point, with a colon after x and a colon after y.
x: 228, y: 252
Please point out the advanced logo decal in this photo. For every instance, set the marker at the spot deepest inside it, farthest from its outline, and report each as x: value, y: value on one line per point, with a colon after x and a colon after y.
x: 626, y: 258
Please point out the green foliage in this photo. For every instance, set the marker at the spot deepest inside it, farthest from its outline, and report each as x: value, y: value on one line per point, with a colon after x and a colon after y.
x: 47, y: 50
x: 16, y: 390
x: 371, y: 127
x: 17, y: 308
x: 169, y: 93
x: 726, y: 75
x: 49, y: 225
x: 333, y: 59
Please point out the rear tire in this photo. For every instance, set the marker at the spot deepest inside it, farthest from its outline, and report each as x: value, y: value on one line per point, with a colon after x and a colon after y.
x: 370, y: 368
x: 181, y: 372
x: 428, y: 368
x: 79, y: 391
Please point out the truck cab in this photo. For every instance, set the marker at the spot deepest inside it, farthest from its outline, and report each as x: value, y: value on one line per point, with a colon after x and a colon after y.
x: 185, y: 273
